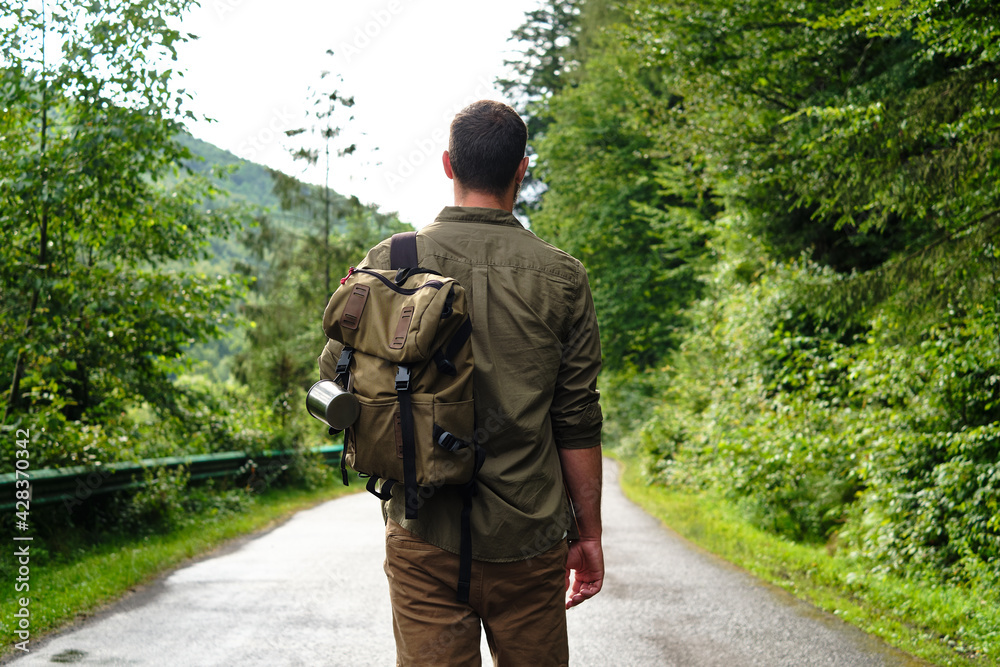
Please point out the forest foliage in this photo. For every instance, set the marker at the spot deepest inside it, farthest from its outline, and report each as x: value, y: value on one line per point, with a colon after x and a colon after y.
x: 789, y: 213
x: 154, y: 302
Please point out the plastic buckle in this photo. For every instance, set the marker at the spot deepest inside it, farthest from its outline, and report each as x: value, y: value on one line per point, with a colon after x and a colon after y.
x: 446, y: 440
x: 345, y: 360
x: 403, y: 378
x: 449, y: 442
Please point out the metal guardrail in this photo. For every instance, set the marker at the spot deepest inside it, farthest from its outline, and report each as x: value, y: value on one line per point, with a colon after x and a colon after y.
x: 75, y: 484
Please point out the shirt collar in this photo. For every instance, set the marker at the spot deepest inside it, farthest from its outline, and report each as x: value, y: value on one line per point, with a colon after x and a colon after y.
x: 491, y: 216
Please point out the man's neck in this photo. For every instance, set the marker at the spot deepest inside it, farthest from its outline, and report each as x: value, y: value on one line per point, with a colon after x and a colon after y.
x: 482, y: 200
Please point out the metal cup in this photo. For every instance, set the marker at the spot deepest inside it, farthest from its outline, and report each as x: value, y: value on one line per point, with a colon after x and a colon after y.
x: 333, y: 406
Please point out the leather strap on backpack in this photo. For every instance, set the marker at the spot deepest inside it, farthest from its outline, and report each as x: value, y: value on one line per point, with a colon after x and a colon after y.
x: 403, y: 251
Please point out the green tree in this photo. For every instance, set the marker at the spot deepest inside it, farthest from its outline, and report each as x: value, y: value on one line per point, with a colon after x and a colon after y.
x: 322, y: 128
x: 839, y: 375
x: 294, y: 266
x: 839, y: 378
x: 289, y: 292
x: 851, y: 132
x: 549, y: 40
x: 96, y: 307
x: 553, y: 43
x: 638, y: 220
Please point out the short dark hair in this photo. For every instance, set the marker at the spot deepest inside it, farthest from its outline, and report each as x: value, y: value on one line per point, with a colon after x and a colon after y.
x: 486, y: 145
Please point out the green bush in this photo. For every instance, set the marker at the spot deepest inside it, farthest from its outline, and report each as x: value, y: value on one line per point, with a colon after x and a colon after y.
x: 883, y: 439
x: 158, y: 505
x: 932, y: 485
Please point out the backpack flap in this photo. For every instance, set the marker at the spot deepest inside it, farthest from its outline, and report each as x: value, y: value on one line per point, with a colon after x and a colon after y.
x: 403, y: 324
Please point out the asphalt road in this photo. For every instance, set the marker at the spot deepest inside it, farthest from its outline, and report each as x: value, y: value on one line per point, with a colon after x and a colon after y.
x: 312, y: 592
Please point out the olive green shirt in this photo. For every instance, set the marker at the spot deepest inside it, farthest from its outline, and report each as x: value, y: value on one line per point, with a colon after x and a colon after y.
x: 537, y: 356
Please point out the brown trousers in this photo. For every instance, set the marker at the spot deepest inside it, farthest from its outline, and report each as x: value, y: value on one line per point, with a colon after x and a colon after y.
x: 521, y: 605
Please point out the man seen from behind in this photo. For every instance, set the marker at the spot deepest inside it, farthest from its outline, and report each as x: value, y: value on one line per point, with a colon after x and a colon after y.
x: 537, y: 357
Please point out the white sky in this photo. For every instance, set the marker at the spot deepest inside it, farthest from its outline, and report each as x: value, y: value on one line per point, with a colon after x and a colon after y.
x: 410, y: 65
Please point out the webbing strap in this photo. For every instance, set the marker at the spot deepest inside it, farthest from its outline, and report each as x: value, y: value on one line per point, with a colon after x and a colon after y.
x: 344, y: 380
x: 410, y: 491
x: 465, y: 551
x: 403, y: 251
x: 344, y: 364
x: 448, y: 440
x: 385, y: 493
x: 343, y: 456
x: 469, y: 490
x: 445, y: 356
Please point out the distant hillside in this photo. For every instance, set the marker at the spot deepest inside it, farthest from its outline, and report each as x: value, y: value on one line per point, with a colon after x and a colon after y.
x: 248, y: 183
x: 253, y: 186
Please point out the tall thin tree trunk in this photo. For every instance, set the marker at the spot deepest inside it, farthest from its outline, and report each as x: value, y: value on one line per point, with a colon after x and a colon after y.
x: 326, y: 219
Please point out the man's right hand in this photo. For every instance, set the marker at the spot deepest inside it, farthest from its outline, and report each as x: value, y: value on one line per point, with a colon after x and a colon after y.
x: 584, y: 571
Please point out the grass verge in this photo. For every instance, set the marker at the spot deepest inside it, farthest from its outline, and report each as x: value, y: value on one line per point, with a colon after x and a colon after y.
x: 73, y: 588
x: 945, y: 625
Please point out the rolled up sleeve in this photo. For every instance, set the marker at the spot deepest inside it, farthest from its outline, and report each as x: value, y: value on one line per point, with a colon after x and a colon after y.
x: 576, y: 410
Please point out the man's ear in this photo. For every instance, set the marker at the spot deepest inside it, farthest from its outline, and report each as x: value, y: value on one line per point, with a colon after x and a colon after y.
x: 521, y: 169
x: 446, y: 161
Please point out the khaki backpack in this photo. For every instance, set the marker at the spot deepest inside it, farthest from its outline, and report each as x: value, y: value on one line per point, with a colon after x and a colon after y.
x: 408, y: 359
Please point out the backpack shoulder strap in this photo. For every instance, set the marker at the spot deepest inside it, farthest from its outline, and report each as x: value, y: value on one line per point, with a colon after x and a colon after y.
x: 403, y: 251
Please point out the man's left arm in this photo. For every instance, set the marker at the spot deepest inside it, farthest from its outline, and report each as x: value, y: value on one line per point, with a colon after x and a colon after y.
x: 576, y: 423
